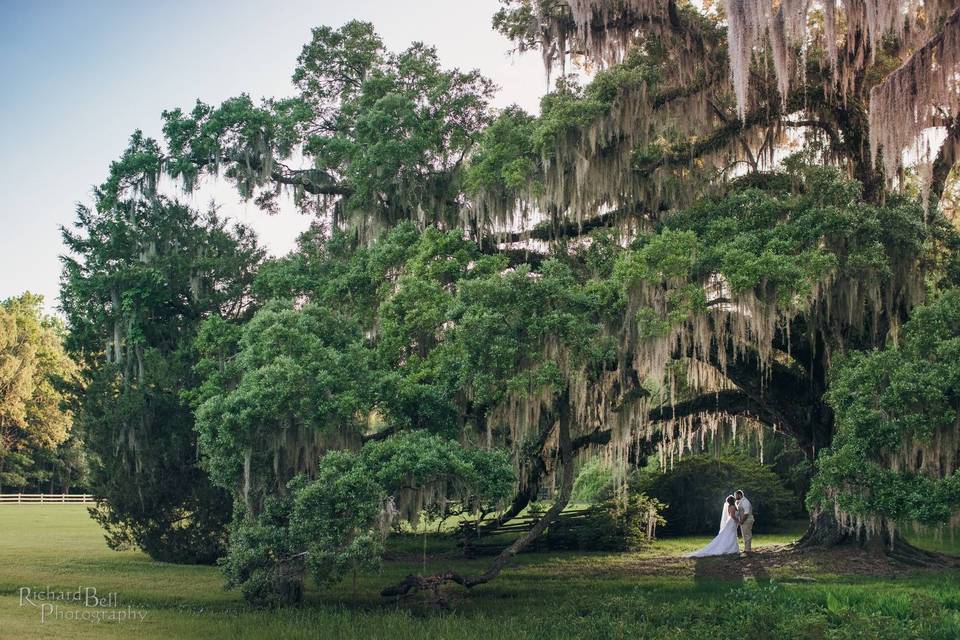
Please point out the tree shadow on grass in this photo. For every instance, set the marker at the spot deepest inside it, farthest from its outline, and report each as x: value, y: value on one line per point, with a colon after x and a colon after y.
x: 708, y: 571
x: 730, y: 568
x: 756, y: 569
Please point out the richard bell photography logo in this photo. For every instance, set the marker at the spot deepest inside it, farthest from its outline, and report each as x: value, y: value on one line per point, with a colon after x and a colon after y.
x: 85, y: 604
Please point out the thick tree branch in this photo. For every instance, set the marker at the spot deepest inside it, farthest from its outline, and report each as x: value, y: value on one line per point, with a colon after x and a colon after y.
x: 944, y: 163
x: 383, y: 434
x: 685, y: 152
x: 729, y: 401
x: 312, y: 181
x: 567, y: 228
x: 536, y: 471
x: 785, y: 395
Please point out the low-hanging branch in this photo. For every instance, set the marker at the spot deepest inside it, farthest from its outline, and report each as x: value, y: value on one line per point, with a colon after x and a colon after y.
x: 727, y: 401
x: 565, y: 445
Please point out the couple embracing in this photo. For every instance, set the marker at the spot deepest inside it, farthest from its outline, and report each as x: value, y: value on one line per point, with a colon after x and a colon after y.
x: 737, y: 512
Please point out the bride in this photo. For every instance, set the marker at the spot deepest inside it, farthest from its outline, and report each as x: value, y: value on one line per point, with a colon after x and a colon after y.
x: 726, y: 540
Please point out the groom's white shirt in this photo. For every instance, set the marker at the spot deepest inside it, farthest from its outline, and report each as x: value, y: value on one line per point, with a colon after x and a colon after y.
x: 744, y: 506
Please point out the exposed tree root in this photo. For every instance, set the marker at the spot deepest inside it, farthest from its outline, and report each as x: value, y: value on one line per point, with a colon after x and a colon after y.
x: 826, y: 533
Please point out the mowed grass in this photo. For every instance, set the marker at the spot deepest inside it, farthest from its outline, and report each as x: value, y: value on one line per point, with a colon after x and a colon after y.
x: 652, y: 594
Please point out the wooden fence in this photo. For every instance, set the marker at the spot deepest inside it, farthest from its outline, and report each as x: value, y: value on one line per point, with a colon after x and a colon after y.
x: 46, y: 498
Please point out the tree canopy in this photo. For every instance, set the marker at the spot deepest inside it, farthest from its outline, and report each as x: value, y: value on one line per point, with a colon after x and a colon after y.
x: 36, y: 376
x: 382, y: 136
x: 686, y: 244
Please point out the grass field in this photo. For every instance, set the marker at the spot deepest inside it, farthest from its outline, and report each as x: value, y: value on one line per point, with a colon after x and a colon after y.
x: 561, y: 595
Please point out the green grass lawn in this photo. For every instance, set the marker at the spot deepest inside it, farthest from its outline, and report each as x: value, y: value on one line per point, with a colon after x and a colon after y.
x: 652, y: 594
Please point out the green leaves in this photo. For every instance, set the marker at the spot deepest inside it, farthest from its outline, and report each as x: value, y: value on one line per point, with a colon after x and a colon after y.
x: 897, y: 412
x: 668, y: 256
x: 335, y: 524
x: 335, y: 62
x: 296, y: 371
x: 776, y: 245
x: 503, y: 322
x: 386, y: 132
x: 37, y: 380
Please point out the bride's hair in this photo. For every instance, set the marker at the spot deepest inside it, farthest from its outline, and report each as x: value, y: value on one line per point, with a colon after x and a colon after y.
x: 731, y: 500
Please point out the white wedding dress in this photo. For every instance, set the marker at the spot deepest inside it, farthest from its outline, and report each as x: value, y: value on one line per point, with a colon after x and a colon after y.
x: 726, y: 541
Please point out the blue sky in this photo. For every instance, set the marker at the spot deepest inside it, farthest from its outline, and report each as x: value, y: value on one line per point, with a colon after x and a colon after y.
x: 77, y: 77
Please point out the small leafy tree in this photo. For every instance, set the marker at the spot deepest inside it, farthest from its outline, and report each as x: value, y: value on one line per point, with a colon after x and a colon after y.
x: 334, y: 524
x: 295, y: 387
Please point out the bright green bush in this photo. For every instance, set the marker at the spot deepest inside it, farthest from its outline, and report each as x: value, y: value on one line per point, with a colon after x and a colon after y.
x: 595, y: 478
x: 695, y: 488
x: 893, y: 455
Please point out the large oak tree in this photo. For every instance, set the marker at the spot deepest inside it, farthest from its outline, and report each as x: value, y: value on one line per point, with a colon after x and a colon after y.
x: 688, y: 239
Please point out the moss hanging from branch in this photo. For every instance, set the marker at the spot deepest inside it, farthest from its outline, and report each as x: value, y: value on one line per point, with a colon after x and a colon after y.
x: 923, y: 93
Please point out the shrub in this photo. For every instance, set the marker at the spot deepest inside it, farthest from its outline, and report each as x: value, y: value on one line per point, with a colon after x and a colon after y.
x: 621, y: 523
x: 595, y: 478
x: 695, y: 488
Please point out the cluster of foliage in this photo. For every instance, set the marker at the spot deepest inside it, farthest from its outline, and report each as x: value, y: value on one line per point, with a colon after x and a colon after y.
x: 512, y: 151
x: 620, y: 521
x: 38, y: 449
x: 799, y: 228
x: 446, y: 320
x: 695, y: 488
x: 387, y: 132
x: 401, y: 330
x: 334, y: 523
x: 142, y: 274
x: 593, y: 482
x: 409, y: 325
x: 894, y: 454
x: 289, y: 371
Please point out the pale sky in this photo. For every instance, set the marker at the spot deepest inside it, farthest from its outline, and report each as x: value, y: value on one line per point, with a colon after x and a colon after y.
x: 77, y: 77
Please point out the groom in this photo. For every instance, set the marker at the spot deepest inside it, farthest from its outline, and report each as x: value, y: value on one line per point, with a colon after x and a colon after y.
x: 745, y: 516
